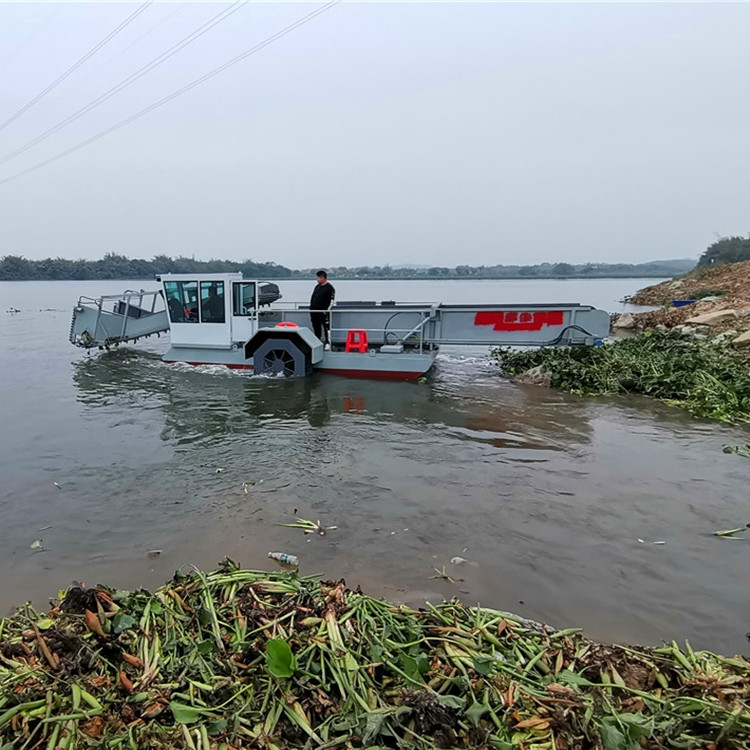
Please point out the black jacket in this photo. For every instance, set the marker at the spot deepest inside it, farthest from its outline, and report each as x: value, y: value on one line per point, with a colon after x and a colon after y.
x: 322, y: 296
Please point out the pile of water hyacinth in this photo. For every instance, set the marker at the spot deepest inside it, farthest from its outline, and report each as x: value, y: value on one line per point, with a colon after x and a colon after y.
x: 245, y: 659
x: 710, y: 380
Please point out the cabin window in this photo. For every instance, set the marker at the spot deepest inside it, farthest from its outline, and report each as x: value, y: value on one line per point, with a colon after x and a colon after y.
x: 244, y: 299
x: 182, y: 301
x: 212, y: 302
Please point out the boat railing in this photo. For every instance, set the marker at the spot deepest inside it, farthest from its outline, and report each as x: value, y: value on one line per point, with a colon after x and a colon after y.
x: 379, y: 320
x: 356, y: 305
x: 413, y: 335
x: 114, y: 318
x: 126, y: 297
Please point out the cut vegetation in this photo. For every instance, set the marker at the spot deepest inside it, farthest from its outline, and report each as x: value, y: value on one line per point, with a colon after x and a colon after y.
x: 705, y: 378
x: 243, y: 659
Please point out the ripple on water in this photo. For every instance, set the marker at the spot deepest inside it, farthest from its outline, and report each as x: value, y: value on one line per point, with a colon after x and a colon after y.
x: 546, y: 492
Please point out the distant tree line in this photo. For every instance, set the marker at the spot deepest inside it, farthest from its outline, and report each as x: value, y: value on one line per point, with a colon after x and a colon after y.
x: 114, y: 266
x: 726, y: 250
x: 658, y: 268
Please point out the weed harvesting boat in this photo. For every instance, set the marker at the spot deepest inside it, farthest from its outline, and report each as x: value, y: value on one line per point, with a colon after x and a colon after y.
x: 223, y: 319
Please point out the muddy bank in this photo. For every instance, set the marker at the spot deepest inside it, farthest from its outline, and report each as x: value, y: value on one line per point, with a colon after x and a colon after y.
x: 719, y: 311
x: 239, y: 659
x: 730, y: 279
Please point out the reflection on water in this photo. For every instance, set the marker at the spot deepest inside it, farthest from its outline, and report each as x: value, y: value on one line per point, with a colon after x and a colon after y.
x: 203, y: 405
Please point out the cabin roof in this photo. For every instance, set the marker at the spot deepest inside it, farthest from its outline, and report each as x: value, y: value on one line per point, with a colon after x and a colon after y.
x: 235, y: 276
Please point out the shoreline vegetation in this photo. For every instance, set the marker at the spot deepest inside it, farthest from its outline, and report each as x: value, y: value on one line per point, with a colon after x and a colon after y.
x: 695, y: 356
x: 707, y: 379
x: 233, y: 658
x: 113, y: 266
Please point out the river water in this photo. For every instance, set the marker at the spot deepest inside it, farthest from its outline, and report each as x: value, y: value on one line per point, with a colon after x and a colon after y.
x: 545, y: 494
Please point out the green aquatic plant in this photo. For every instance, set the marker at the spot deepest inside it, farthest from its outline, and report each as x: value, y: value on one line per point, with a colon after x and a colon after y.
x: 738, y: 449
x: 706, y: 379
x: 703, y: 293
x: 238, y: 658
x: 309, y: 527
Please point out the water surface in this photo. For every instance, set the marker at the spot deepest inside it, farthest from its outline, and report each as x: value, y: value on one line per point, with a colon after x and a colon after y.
x: 545, y: 494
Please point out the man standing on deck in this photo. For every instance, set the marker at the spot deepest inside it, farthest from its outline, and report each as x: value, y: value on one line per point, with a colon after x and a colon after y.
x: 320, y: 302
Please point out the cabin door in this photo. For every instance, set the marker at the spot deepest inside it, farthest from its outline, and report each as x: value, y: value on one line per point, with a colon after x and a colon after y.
x: 244, y: 310
x: 199, y: 313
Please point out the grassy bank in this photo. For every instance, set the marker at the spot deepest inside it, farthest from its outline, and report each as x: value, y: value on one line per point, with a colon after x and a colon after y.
x: 706, y: 379
x: 241, y: 659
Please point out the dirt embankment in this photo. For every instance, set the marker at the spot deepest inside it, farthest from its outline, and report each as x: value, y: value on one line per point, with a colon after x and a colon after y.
x: 722, y: 310
x: 731, y: 278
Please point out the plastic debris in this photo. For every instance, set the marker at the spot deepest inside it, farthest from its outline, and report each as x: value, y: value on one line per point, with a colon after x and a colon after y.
x: 284, y: 558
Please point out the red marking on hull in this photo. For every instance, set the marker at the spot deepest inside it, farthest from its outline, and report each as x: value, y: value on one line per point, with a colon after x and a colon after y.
x: 368, y: 374
x: 519, y: 321
x: 372, y: 374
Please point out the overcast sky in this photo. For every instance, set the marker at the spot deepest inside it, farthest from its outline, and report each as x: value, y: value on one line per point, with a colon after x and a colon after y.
x: 437, y: 133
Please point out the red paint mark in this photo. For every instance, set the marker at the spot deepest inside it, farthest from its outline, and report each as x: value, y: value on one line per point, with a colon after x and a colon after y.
x: 372, y: 374
x: 368, y: 374
x: 519, y: 321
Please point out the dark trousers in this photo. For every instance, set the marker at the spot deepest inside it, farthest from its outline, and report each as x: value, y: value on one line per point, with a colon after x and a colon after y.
x: 320, y: 324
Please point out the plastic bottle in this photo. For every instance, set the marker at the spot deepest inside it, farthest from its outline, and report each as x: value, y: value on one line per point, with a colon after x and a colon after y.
x: 284, y: 559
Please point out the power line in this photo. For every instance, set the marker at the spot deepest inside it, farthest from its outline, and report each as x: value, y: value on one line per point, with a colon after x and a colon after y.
x: 179, y: 7
x: 112, y: 34
x: 189, y: 39
x: 256, y: 48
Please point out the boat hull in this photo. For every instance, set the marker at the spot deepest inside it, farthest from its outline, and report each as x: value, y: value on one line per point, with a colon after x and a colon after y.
x: 373, y: 365
x: 377, y: 365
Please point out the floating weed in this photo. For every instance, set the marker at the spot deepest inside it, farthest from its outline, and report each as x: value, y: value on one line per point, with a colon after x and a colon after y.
x: 309, y: 527
x: 738, y: 449
x: 442, y: 574
x: 730, y: 533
